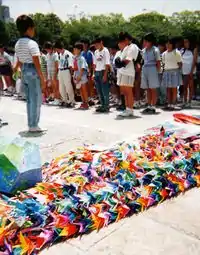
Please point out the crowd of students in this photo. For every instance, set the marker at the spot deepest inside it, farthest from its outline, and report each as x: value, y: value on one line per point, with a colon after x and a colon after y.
x: 162, y: 72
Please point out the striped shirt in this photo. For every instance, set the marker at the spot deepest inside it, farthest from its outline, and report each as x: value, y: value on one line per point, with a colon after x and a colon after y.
x: 25, y: 49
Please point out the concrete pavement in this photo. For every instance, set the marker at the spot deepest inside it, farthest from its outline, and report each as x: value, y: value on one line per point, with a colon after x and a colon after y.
x: 172, y: 228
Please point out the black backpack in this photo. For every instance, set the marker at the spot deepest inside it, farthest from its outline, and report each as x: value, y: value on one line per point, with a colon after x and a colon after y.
x: 139, y: 59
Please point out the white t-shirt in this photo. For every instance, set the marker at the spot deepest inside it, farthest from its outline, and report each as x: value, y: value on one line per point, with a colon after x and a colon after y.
x: 51, y: 60
x: 187, y: 58
x: 25, y: 49
x: 65, y: 60
x: 101, y: 59
x: 171, y: 59
x: 130, y: 53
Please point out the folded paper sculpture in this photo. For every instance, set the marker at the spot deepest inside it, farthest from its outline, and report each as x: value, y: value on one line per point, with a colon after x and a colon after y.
x: 20, y: 165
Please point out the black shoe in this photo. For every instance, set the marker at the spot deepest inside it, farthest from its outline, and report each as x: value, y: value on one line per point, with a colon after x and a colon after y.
x: 146, y: 110
x: 121, y: 107
x: 149, y: 110
x: 101, y: 109
x: 107, y: 109
x: 91, y: 103
x: 69, y: 105
x: 152, y: 111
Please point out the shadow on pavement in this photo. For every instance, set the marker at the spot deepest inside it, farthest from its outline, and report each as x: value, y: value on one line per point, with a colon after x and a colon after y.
x: 28, y: 134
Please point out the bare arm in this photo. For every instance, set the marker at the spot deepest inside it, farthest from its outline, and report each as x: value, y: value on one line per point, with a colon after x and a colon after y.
x: 194, y: 60
x: 81, y: 74
x: 56, y: 69
x: 36, y: 62
x: 180, y: 64
x: 158, y: 65
x: 17, y: 66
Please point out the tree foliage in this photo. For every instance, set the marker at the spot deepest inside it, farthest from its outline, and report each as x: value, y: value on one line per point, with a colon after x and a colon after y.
x: 51, y: 28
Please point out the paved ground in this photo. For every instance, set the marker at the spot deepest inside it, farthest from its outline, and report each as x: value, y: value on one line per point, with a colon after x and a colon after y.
x: 172, y: 228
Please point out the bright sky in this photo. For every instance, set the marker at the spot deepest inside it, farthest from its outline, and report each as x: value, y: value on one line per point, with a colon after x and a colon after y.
x: 127, y: 7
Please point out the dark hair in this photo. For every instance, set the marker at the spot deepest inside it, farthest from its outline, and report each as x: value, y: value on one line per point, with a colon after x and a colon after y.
x: 1, y: 46
x: 114, y: 46
x: 23, y: 23
x: 173, y: 42
x: 48, y: 45
x: 78, y: 46
x: 123, y: 36
x: 150, y: 38
x: 192, y: 41
x: 44, y: 51
x: 162, y: 40
x: 59, y: 45
x: 98, y: 40
x: 70, y: 48
x: 92, y: 48
x: 85, y: 41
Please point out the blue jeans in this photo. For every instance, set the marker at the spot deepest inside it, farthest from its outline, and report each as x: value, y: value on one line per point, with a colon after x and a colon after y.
x: 103, y: 89
x: 33, y: 93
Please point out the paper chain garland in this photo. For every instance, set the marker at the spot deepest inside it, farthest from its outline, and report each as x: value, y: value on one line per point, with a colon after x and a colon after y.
x: 86, y: 190
x: 184, y: 118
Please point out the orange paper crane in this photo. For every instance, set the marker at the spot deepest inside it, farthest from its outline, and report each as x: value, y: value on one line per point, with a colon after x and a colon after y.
x: 69, y: 230
x: 27, y: 247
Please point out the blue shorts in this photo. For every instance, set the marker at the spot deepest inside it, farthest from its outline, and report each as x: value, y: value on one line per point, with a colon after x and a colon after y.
x: 150, y: 79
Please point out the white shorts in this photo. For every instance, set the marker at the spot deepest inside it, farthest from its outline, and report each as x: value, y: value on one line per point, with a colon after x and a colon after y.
x: 125, y: 80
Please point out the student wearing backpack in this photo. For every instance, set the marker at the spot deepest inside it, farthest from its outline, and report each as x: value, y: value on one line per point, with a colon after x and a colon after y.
x: 172, y: 75
x: 126, y: 75
x: 150, y: 70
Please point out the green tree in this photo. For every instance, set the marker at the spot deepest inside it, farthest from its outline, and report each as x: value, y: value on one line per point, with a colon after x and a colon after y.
x: 187, y: 22
x: 12, y: 33
x: 51, y: 28
x: 3, y: 33
x: 153, y: 22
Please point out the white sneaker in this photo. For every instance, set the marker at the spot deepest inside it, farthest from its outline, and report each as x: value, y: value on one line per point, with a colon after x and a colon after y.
x: 126, y: 113
x: 56, y: 102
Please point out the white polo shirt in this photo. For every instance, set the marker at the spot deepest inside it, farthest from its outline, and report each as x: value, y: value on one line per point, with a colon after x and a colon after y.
x: 130, y: 53
x: 171, y: 59
x: 101, y: 59
x: 65, y: 60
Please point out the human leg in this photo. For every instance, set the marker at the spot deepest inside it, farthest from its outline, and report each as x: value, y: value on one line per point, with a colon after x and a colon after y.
x: 185, y: 87
x: 106, y: 91
x: 174, y: 95
x: 62, y: 88
x: 169, y: 96
x: 84, y: 94
x: 98, y: 84
x: 68, y: 86
x: 34, y: 96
